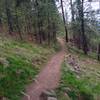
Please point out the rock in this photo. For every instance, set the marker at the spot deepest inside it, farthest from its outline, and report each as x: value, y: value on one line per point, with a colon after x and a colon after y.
x: 98, y: 72
x: 36, y: 81
x: 43, y: 96
x: 77, y: 72
x: 50, y: 93
x: 52, y: 98
x: 4, y: 62
x: 19, y: 71
x: 4, y: 98
x: 78, y: 76
x: 67, y: 90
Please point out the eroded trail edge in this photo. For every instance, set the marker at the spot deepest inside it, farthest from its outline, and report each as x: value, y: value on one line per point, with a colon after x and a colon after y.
x: 48, y: 78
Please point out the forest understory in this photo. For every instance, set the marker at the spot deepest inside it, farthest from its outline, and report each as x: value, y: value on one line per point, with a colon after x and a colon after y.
x: 80, y: 77
x: 34, y: 33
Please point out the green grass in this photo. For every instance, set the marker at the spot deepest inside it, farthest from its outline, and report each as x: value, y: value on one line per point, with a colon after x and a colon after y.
x: 19, y: 64
x: 85, y: 86
x: 77, y: 87
x: 73, y: 49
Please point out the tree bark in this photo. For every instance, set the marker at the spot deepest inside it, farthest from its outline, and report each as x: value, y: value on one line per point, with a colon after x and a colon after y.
x: 84, y: 40
x: 39, y: 23
x: 17, y: 25
x: 0, y: 24
x: 72, y: 10
x: 9, y: 18
x: 99, y: 52
x: 64, y: 20
x: 48, y: 30
x: 54, y: 31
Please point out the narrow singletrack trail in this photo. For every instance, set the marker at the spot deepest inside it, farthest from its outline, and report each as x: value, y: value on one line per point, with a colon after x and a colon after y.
x: 48, y: 78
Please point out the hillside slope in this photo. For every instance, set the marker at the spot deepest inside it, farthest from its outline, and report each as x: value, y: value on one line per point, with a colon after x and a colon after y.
x: 80, y: 77
x: 19, y: 64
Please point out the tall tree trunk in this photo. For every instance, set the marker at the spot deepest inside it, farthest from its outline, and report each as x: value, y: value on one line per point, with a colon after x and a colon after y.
x: 64, y: 20
x: 39, y: 30
x: 29, y: 27
x: 84, y: 40
x: 17, y: 25
x: 72, y: 20
x: 39, y: 23
x: 0, y: 24
x: 48, y: 29
x: 9, y: 18
x: 54, y: 31
x: 72, y: 10
x: 0, y: 21
x: 99, y: 52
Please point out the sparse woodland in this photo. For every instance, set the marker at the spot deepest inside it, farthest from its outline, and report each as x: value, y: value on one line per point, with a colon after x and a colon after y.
x: 30, y: 31
x: 29, y: 19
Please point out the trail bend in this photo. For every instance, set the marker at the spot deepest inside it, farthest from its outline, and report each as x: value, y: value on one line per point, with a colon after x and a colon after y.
x: 48, y: 78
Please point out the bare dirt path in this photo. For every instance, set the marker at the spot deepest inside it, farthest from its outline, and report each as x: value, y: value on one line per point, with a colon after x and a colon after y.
x: 48, y: 78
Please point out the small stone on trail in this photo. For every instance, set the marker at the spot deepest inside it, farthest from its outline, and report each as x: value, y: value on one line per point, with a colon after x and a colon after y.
x: 43, y: 96
x: 35, y: 80
x: 52, y: 98
x: 50, y: 93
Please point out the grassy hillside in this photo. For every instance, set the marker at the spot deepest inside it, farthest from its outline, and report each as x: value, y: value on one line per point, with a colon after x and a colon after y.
x: 80, y: 78
x: 19, y: 63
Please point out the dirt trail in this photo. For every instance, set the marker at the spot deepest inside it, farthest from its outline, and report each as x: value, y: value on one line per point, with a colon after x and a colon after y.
x: 48, y: 78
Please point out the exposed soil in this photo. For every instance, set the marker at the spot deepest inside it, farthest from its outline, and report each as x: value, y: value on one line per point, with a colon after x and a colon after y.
x: 48, y: 78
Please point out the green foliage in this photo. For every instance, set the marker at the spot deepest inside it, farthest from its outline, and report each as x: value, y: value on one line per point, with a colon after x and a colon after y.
x: 38, y: 20
x: 90, y: 26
